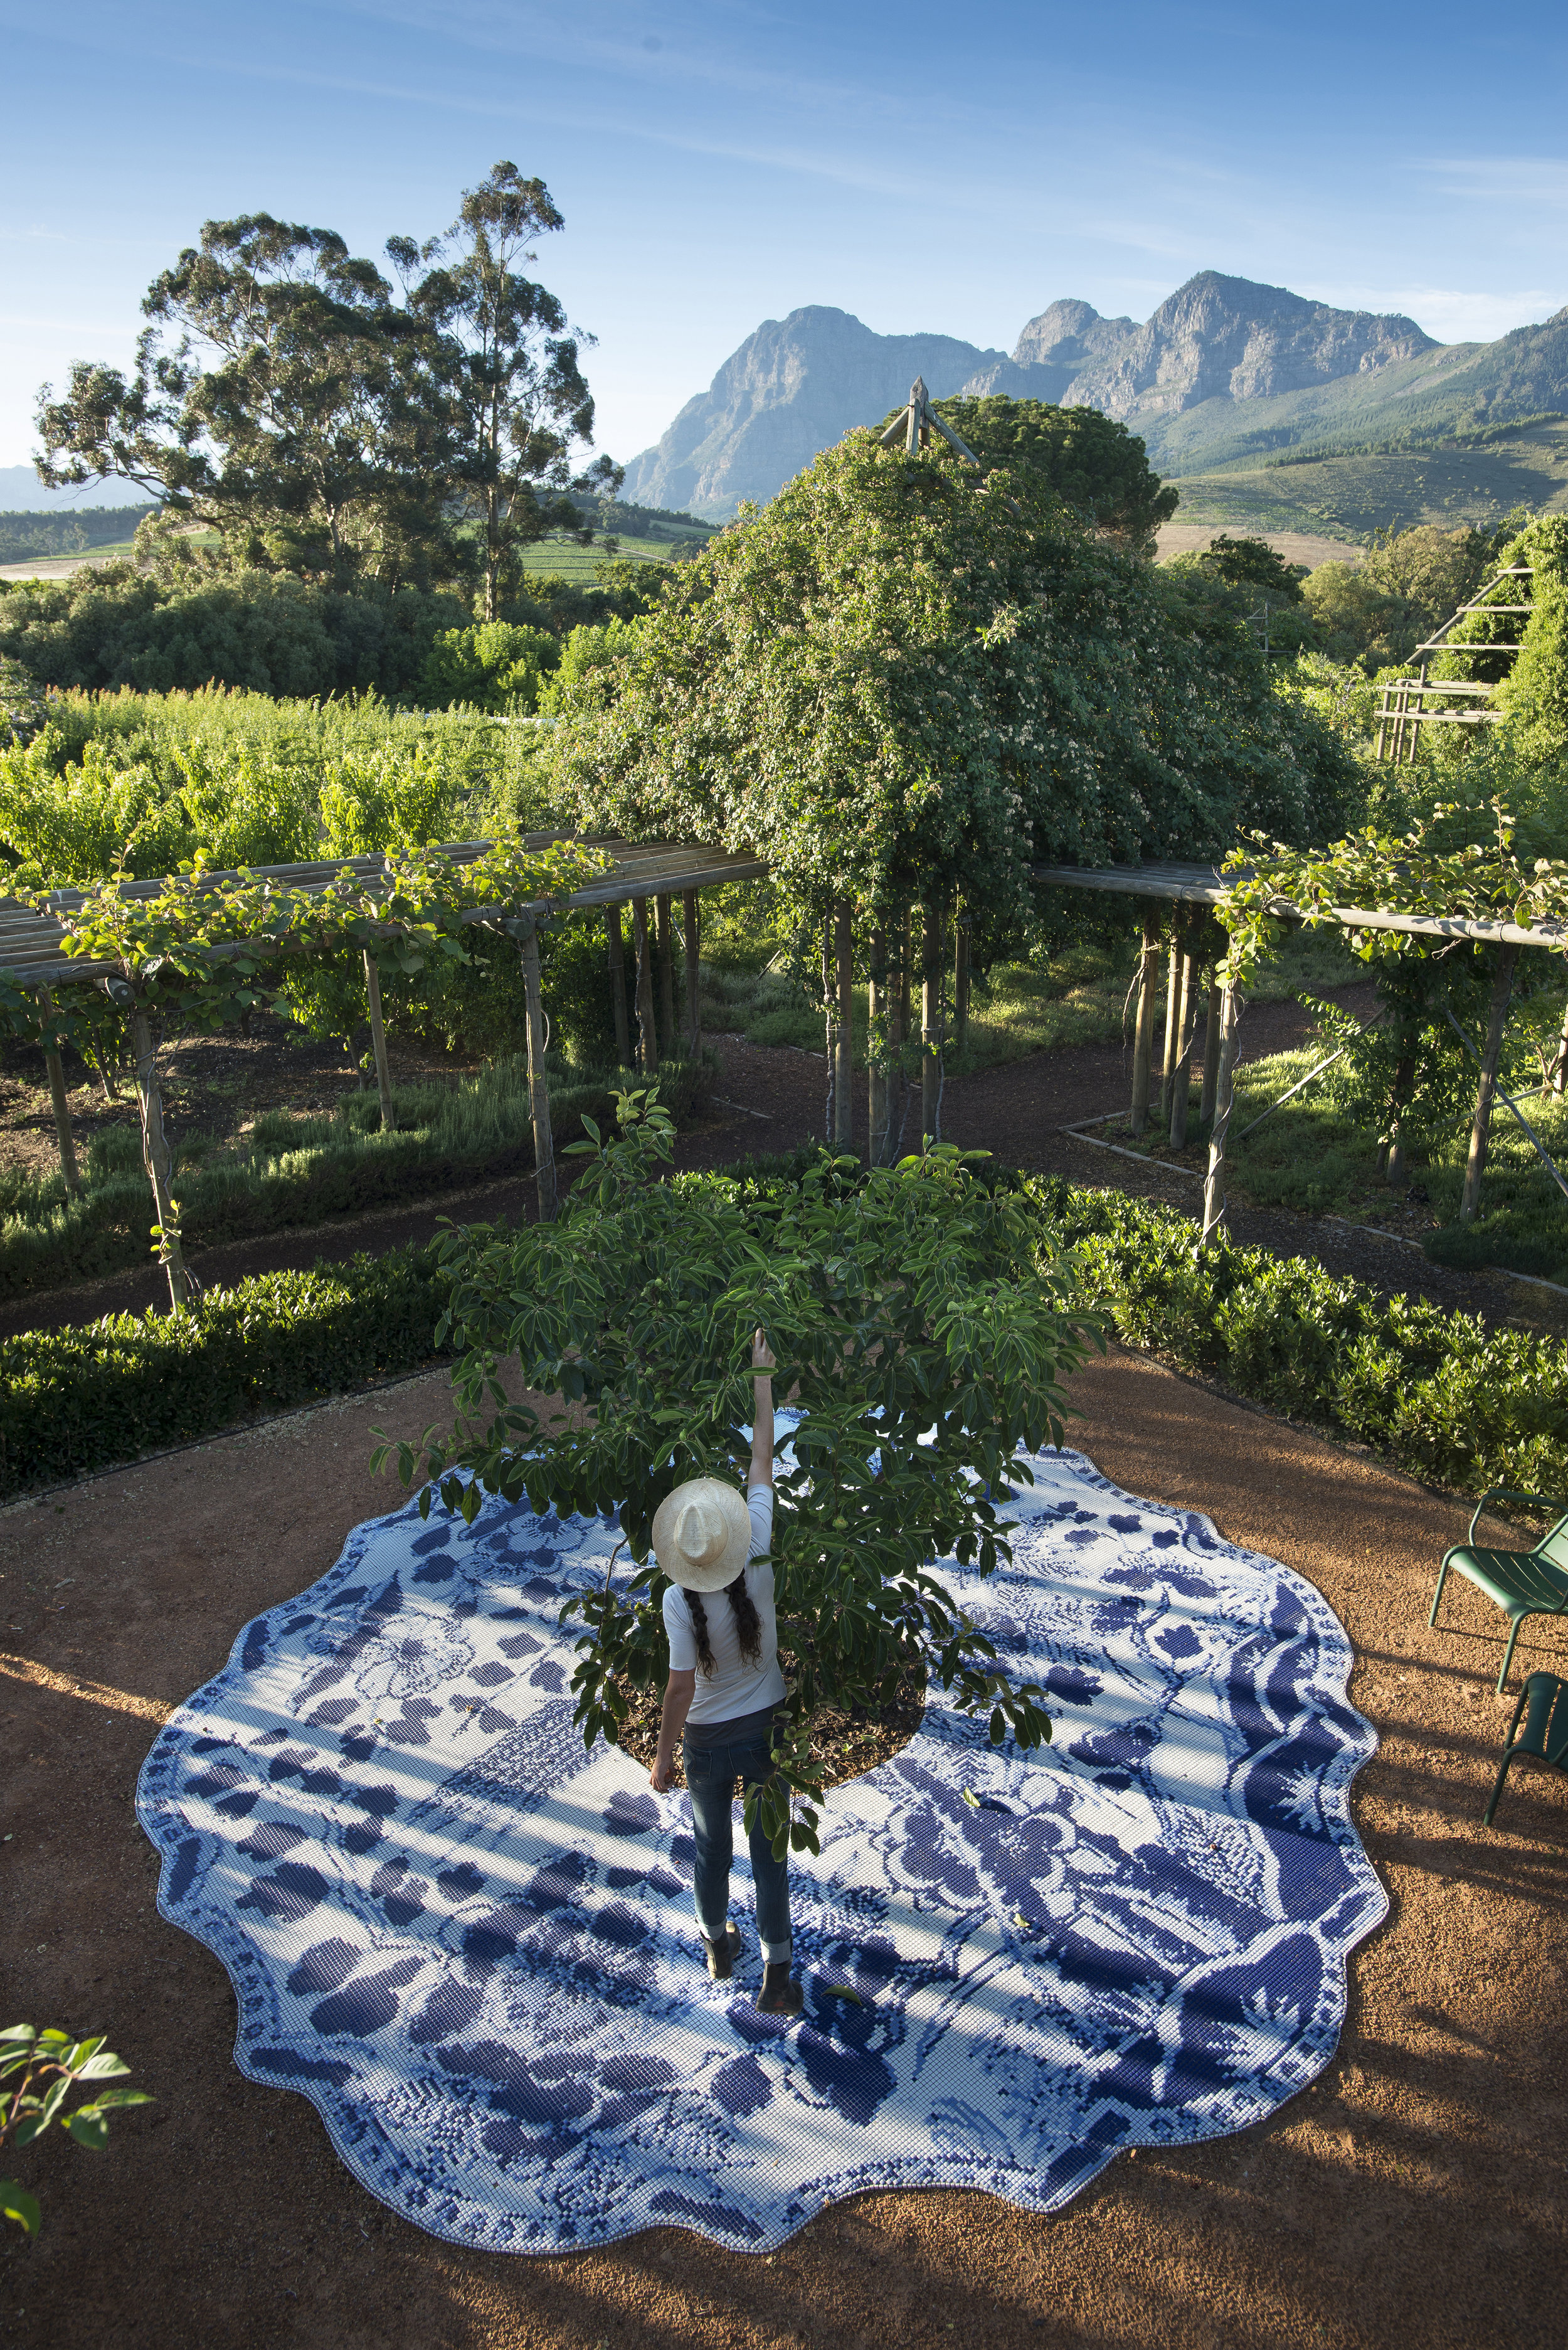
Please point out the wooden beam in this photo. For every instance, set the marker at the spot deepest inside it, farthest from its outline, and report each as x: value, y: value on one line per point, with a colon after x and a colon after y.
x: 667, y: 973
x: 159, y: 1161
x: 648, y: 1033
x: 378, y: 1042
x: 690, y: 922
x: 617, y: 983
x: 1224, y: 1095
x: 844, y: 1075
x: 1143, y: 1032
x: 1486, y: 1089
x: 538, y: 1084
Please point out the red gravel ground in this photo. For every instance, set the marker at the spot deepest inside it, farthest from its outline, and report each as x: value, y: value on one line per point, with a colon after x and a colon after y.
x: 1414, y: 2197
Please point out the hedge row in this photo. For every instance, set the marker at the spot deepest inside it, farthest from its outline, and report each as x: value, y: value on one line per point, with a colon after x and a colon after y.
x: 1444, y: 1395
x: 1440, y: 1394
x: 88, y: 1396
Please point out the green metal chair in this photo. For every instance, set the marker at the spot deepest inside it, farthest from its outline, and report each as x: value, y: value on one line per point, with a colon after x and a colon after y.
x: 1544, y: 1735
x: 1521, y: 1582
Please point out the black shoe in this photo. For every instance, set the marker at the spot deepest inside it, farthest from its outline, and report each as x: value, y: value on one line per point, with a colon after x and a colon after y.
x: 721, y: 1956
x: 780, y: 1995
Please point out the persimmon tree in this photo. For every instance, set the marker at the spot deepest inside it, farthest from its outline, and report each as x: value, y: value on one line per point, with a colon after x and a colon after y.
x: 914, y: 1327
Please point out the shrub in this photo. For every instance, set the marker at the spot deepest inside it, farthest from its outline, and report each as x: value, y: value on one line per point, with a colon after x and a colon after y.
x: 499, y: 665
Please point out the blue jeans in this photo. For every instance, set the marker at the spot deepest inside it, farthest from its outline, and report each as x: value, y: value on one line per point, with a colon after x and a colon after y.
x: 710, y: 1775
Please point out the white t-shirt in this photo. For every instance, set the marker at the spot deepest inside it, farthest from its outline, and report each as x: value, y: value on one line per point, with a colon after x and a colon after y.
x: 738, y: 1684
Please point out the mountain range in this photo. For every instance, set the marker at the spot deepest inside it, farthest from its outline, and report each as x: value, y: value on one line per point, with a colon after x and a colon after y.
x: 1225, y: 373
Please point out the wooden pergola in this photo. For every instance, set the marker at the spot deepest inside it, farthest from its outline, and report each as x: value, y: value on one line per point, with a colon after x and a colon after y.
x: 1202, y: 886
x: 33, y: 956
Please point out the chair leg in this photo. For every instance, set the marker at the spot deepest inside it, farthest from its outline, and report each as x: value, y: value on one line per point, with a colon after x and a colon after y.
x: 1437, y: 1594
x: 1508, y: 1755
x: 1508, y: 1654
x: 1491, y: 1807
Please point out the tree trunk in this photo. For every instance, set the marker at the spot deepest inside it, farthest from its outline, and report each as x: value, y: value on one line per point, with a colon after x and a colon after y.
x: 379, y: 1044
x: 903, y: 1014
x: 830, y: 1032
x: 618, y: 984
x: 1143, y: 1033
x: 1172, y: 1012
x: 1481, y: 1126
x: 1394, y: 1167
x: 63, y: 1134
x: 538, y: 1088
x: 667, y: 977
x: 931, y: 961
x: 159, y: 1161
x: 1559, y: 1074
x: 691, y: 914
x: 1214, y: 1182
x: 961, y: 987
x: 844, y: 1075
x: 1182, y: 1079
x: 1210, y: 1055
x: 876, y: 1054
x: 648, y: 1034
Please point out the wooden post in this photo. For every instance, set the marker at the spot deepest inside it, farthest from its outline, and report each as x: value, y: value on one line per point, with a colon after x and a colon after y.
x: 961, y: 986
x: 1186, y: 1035
x: 618, y: 984
x: 538, y: 1088
x: 1211, y: 1054
x: 648, y: 1036
x: 1142, y: 1033
x: 1481, y: 1126
x: 1172, y: 1007
x: 691, y: 921
x: 63, y: 1134
x: 1214, y: 1180
x: 378, y: 1042
x: 931, y: 961
x: 158, y: 1160
x: 876, y: 1091
x: 667, y: 977
x: 844, y: 1075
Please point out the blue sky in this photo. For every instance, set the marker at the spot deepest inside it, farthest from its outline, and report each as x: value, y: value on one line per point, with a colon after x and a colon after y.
x: 719, y: 162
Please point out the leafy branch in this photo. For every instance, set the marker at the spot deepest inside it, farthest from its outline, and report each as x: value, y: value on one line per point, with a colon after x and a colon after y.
x: 38, y: 2071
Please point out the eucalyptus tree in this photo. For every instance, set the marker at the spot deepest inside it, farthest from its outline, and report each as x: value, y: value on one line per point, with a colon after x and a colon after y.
x: 499, y: 379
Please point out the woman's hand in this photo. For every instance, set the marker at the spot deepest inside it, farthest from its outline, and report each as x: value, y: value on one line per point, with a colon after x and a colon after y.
x: 763, y: 1360
x: 661, y: 1776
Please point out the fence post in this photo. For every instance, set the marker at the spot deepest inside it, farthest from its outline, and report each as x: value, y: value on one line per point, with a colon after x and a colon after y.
x: 1224, y: 1093
x: 691, y: 921
x: 931, y: 965
x: 617, y: 983
x: 844, y: 1075
x: 647, y: 1032
x: 378, y: 1042
x: 158, y: 1160
x: 1186, y: 1036
x: 1481, y: 1126
x: 538, y: 1086
x: 1143, y: 1033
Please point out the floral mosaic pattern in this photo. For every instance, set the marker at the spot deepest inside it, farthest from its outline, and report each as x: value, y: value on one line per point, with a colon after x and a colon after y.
x: 472, y: 1945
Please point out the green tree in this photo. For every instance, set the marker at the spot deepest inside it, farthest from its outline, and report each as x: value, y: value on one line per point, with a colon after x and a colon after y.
x: 269, y: 402
x: 499, y: 665
x: 502, y: 387
x: 1098, y: 469
x: 920, y: 1335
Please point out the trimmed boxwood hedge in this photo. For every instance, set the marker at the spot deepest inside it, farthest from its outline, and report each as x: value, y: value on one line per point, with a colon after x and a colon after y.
x: 1439, y: 1394
x: 100, y: 1392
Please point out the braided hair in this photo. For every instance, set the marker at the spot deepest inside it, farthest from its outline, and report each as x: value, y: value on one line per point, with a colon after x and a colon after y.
x: 748, y: 1623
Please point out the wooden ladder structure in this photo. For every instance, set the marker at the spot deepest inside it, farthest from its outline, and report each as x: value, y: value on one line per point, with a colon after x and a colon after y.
x: 1409, y: 704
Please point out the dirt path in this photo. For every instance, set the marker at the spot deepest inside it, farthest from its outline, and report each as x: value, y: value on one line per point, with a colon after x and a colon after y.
x: 1414, y: 2197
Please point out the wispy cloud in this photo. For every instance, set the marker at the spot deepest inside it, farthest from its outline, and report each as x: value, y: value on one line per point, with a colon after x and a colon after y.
x: 1498, y: 179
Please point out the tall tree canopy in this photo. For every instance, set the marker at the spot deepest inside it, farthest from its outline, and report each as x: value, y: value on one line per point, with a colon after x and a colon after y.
x: 286, y: 396
x: 1098, y: 469
x: 894, y: 676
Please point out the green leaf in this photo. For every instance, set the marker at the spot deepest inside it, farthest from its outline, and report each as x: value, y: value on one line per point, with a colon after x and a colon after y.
x: 89, y: 2129
x: 16, y: 2204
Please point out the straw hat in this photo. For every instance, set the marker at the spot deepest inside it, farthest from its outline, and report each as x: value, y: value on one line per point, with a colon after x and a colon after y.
x: 702, y: 1534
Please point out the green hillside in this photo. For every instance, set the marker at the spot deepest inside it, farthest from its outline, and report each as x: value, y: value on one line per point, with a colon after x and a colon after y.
x: 1479, y: 477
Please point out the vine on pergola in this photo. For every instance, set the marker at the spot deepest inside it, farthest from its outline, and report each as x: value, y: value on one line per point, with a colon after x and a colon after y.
x: 195, y: 952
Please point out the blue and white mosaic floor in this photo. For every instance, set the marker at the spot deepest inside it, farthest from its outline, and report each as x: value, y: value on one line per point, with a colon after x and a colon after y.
x: 471, y: 1945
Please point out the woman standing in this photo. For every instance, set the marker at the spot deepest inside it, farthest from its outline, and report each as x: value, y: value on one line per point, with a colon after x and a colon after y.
x: 725, y: 1687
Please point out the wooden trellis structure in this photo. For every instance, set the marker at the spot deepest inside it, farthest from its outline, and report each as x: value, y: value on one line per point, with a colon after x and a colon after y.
x: 33, y: 956
x: 1201, y: 885
x: 1409, y: 704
